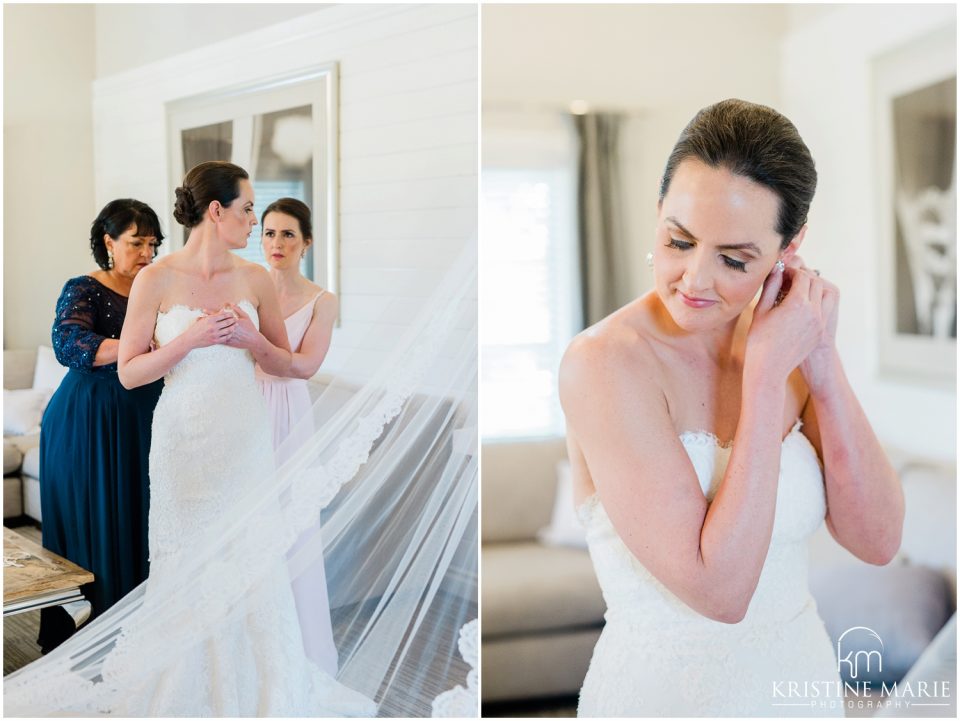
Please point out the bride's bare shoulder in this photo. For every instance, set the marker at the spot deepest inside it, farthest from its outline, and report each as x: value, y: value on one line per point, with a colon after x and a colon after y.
x: 157, y: 274
x: 617, y: 350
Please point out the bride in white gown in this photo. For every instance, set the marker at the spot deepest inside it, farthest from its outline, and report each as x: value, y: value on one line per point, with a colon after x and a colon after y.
x: 709, y: 438
x: 211, y: 315
x: 390, y: 465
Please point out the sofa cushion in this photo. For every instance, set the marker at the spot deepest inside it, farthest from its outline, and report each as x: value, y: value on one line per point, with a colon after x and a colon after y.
x: 902, y: 604
x: 12, y: 457
x: 551, y: 664
x: 31, y: 462
x: 528, y: 587
x: 31, y: 498
x: 12, y: 497
x: 518, y: 489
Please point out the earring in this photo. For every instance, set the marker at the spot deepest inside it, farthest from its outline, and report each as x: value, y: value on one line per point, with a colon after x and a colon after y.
x: 109, y: 259
x: 650, y: 259
x: 303, y: 253
x: 779, y: 265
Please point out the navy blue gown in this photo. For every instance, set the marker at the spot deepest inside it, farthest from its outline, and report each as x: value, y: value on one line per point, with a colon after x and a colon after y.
x: 94, y: 444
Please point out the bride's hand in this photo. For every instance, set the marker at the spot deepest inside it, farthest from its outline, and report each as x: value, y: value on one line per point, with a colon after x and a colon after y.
x: 783, y: 334
x: 819, y: 365
x: 245, y: 334
x: 211, y: 329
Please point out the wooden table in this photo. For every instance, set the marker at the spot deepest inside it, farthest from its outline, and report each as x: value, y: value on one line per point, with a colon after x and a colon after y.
x: 33, y: 577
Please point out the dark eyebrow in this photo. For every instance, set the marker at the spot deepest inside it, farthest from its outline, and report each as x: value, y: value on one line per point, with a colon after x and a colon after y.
x: 728, y: 246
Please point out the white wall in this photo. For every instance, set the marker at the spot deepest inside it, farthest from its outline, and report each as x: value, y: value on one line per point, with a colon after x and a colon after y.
x: 658, y: 63
x: 48, y: 203
x: 826, y: 91
x: 408, y: 145
x: 132, y: 35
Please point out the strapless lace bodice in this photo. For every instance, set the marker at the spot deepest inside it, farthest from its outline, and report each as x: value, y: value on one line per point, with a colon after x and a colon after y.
x: 630, y: 589
x: 201, y: 365
x: 659, y: 657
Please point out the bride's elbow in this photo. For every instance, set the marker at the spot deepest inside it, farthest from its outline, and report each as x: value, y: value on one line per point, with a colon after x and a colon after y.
x: 722, y: 608
x: 722, y: 603
x: 883, y: 550
x: 126, y: 380
x: 729, y: 612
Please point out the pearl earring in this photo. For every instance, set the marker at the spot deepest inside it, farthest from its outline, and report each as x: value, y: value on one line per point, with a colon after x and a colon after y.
x: 650, y: 259
x: 109, y: 259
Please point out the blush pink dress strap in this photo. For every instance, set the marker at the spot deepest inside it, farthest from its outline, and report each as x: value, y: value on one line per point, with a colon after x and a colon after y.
x: 290, y: 405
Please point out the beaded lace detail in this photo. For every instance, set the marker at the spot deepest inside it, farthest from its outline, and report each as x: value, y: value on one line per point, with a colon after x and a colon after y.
x: 658, y: 657
x: 87, y: 314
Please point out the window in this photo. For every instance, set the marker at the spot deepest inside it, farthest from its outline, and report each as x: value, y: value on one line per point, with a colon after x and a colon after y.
x: 530, y: 291
x: 283, y: 133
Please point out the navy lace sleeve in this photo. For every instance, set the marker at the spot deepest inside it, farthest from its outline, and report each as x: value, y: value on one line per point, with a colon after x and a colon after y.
x: 87, y: 314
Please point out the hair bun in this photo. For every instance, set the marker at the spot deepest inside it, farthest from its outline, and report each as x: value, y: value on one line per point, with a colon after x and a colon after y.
x: 185, y: 208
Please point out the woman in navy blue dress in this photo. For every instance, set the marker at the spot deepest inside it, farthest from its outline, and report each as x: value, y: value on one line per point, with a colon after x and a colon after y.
x: 95, y: 435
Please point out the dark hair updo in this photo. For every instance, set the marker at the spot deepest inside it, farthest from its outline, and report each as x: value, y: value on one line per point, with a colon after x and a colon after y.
x: 758, y: 143
x: 114, y: 220
x: 205, y: 183
x: 295, y: 209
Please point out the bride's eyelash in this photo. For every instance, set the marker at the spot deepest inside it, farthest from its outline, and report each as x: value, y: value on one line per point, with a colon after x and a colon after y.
x: 727, y: 260
x: 735, y: 264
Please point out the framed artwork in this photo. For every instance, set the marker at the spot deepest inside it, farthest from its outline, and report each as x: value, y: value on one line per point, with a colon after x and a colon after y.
x: 916, y: 102
x: 283, y: 132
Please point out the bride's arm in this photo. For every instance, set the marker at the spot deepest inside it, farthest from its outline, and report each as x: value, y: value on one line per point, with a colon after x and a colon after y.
x: 708, y: 555
x: 864, y: 499
x: 137, y: 365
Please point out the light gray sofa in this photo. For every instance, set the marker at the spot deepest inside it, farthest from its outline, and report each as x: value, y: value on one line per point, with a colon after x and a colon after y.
x: 543, y: 610
x: 21, y: 454
x: 542, y: 606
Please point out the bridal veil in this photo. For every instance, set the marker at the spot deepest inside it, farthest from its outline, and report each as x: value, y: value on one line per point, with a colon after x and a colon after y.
x: 391, y: 473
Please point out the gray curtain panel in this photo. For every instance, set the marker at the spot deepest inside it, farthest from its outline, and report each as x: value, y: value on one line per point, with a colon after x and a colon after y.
x: 604, y: 269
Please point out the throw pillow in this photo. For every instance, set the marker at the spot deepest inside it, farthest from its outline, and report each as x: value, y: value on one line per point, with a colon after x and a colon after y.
x: 565, y: 528
x: 48, y: 372
x: 22, y: 410
x: 904, y: 605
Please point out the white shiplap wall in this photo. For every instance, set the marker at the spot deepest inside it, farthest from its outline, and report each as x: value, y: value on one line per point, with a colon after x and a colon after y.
x: 408, y: 145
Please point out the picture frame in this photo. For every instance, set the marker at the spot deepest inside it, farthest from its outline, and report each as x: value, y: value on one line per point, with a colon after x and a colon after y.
x: 915, y: 109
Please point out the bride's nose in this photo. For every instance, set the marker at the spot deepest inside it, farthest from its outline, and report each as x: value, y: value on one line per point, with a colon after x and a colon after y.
x: 697, y: 275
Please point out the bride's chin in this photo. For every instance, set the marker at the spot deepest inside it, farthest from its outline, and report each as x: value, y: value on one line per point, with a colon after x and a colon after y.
x: 696, y: 321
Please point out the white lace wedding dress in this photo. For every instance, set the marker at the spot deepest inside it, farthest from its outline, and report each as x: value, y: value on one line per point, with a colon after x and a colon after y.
x: 658, y: 657
x: 211, y: 441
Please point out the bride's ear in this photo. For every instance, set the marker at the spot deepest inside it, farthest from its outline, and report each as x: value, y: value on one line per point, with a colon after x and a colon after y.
x: 794, y: 245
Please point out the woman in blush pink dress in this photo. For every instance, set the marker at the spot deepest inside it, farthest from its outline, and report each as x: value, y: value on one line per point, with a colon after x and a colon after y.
x: 309, y: 313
